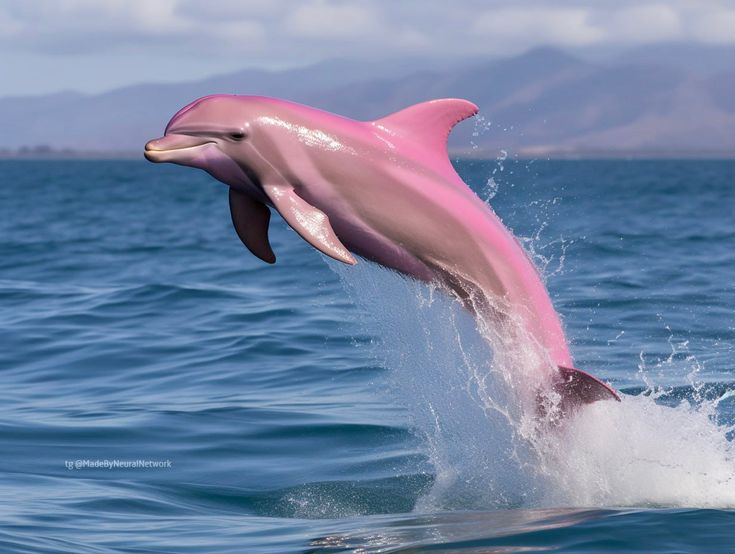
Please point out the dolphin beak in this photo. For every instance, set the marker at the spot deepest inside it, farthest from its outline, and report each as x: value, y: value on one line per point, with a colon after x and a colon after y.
x: 174, y: 148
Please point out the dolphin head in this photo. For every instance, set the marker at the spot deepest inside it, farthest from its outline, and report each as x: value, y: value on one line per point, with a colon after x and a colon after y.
x: 212, y: 134
x: 242, y: 141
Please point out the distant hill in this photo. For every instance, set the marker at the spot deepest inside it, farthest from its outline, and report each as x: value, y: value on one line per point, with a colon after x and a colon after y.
x: 542, y: 102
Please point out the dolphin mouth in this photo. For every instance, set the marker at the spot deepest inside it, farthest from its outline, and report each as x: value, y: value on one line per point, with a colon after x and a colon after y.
x: 174, y: 147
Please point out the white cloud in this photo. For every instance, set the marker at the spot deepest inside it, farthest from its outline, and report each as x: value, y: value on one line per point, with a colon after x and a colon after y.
x: 238, y: 37
x: 229, y: 10
x: 238, y: 33
x: 643, y: 24
x: 412, y: 40
x: 716, y: 26
x: 89, y: 27
x: 579, y: 24
x: 519, y: 27
x: 323, y: 20
x: 153, y: 18
x: 320, y: 28
x: 9, y: 27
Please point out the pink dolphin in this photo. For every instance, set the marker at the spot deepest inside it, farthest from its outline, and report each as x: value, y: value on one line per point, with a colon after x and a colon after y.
x: 384, y: 190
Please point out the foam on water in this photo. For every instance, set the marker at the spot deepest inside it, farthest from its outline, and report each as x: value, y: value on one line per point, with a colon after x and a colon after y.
x: 487, y: 448
x: 640, y: 453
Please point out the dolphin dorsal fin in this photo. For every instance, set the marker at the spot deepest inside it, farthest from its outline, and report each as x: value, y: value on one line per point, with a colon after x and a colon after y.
x: 428, y: 124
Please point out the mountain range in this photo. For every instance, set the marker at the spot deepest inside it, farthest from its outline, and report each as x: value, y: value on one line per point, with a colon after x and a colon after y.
x: 543, y: 102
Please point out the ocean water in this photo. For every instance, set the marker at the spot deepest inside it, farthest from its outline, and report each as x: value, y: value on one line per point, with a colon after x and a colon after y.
x: 164, y: 391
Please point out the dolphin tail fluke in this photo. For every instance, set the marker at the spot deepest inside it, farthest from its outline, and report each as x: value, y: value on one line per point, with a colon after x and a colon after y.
x: 578, y: 387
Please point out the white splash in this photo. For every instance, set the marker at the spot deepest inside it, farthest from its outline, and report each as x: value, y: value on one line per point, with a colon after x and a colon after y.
x: 640, y: 453
x: 489, y: 452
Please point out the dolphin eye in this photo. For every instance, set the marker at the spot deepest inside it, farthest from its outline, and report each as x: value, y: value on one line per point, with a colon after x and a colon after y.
x: 237, y: 135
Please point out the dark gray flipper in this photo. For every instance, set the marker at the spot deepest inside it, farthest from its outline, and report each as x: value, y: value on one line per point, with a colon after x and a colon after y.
x: 251, y: 219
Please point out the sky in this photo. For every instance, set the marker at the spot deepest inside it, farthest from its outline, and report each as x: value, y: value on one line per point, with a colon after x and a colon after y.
x: 94, y: 45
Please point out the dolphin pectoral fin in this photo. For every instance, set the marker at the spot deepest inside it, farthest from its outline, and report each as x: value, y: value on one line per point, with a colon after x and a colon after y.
x: 251, y: 219
x: 309, y: 222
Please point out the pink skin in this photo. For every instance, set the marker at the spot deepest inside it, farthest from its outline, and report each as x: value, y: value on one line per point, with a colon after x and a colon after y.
x: 384, y: 190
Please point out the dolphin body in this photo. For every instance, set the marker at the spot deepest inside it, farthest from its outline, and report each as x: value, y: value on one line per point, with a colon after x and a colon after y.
x: 384, y: 190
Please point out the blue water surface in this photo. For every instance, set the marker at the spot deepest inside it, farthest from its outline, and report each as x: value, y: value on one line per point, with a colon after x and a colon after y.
x: 235, y: 406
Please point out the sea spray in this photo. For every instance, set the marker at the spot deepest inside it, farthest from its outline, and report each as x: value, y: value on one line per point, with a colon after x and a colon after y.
x: 456, y: 390
x: 490, y: 452
x: 640, y: 453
